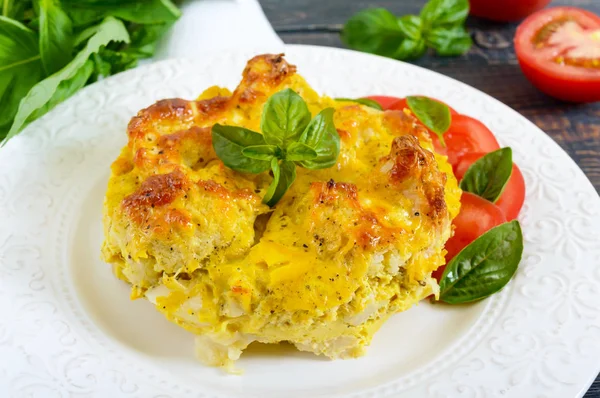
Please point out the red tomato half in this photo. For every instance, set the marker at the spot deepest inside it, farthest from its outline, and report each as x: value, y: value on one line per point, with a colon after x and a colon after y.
x: 511, y: 200
x: 559, y: 52
x: 466, y: 135
x: 401, y: 103
x: 505, y: 10
x: 384, y: 100
x: 476, y: 217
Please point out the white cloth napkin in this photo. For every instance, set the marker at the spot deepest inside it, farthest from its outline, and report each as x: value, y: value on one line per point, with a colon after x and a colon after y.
x: 217, y: 25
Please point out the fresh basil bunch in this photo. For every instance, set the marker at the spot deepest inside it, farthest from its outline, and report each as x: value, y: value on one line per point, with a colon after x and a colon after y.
x: 289, y: 138
x: 440, y: 26
x: 49, y: 49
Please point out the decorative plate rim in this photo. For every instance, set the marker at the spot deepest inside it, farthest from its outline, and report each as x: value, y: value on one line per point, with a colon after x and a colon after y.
x: 52, y: 146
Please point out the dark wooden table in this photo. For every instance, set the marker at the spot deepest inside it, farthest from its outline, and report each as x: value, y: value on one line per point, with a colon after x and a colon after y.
x: 490, y: 66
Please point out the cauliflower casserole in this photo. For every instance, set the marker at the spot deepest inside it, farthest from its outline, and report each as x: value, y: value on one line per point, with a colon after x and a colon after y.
x: 344, y: 249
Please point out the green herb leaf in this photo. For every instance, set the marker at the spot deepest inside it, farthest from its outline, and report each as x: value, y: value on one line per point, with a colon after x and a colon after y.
x: 488, y: 176
x: 483, y: 267
x: 20, y: 68
x: 15, y: 9
x: 449, y: 42
x: 297, y: 152
x: 321, y: 136
x: 284, y: 117
x: 262, y: 152
x: 440, y: 25
x: 84, y: 12
x: 374, y: 30
x: 411, y: 49
x: 229, y: 143
x: 363, y: 101
x: 283, y: 177
x: 433, y: 114
x: 56, y: 36
x: 42, y: 93
x: 444, y: 12
x: 65, y: 89
x: 411, y: 26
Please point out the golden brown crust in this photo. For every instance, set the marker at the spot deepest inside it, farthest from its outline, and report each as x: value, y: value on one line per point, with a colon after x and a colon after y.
x: 401, y: 123
x: 261, y: 74
x: 167, y: 110
x: 364, y: 225
x: 156, y: 191
x: 411, y: 162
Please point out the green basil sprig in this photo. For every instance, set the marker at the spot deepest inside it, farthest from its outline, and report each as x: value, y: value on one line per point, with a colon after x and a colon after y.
x: 484, y: 267
x: 488, y: 176
x: 439, y: 26
x: 49, y: 49
x: 289, y: 138
x: 433, y: 114
x: 363, y: 101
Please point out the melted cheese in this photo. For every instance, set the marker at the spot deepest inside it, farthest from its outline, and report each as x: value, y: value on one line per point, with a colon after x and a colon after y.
x: 344, y: 249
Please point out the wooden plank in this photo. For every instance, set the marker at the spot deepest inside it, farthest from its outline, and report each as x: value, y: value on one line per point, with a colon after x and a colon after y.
x: 289, y: 14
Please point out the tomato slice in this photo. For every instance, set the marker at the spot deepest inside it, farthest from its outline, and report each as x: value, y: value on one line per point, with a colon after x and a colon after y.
x: 559, y: 52
x: 476, y: 217
x: 384, y: 100
x: 505, y: 10
x: 465, y: 135
x: 401, y: 103
x: 512, y: 199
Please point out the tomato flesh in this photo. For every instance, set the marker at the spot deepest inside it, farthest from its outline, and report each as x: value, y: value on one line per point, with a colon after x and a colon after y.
x: 466, y: 135
x: 384, y: 100
x: 512, y: 199
x: 476, y: 217
x: 505, y: 10
x: 559, y: 52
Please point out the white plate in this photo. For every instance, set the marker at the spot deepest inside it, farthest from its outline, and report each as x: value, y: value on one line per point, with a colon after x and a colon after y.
x: 68, y: 329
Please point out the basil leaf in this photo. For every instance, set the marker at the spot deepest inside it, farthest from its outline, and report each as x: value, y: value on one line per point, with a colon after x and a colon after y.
x: 318, y: 127
x: 108, y: 62
x: 487, y: 177
x: 145, y: 38
x: 411, y: 49
x: 56, y: 36
x: 262, y: 152
x: 374, y: 30
x: 42, y: 93
x: 444, y: 12
x: 15, y: 9
x: 433, y: 114
x: 483, y: 267
x: 283, y: 177
x: 229, y: 143
x: 297, y: 152
x: 84, y: 12
x: 322, y: 136
x: 20, y: 68
x: 410, y: 25
x: 363, y: 101
x: 449, y: 42
x: 284, y: 117
x: 65, y: 89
